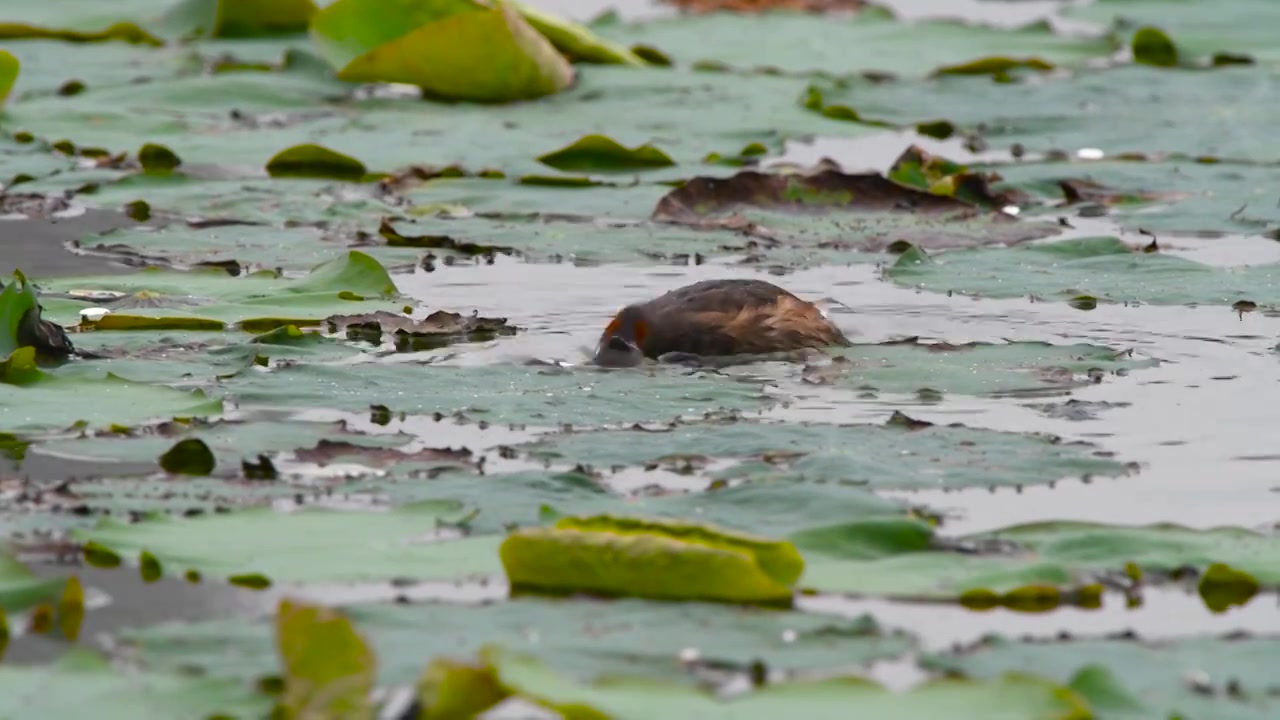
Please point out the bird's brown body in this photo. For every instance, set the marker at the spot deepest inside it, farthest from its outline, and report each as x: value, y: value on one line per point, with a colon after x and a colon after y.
x: 716, y: 318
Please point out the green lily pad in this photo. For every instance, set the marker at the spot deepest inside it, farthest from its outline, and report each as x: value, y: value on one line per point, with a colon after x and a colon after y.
x: 83, y: 679
x: 1164, y: 674
x: 1011, y: 369
x: 1058, y: 556
x: 306, y: 546
x: 507, y: 394
x: 79, y: 393
x: 1173, y: 196
x: 288, y: 248
x: 879, y: 456
x: 1218, y: 114
x: 1016, y: 695
x: 870, y: 41
x: 1104, y: 268
x: 425, y: 43
x: 601, y: 153
x: 1198, y: 29
x: 239, y: 18
x: 584, y: 640
x: 212, y: 299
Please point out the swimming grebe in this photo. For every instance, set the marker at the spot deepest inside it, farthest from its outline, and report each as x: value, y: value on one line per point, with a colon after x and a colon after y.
x: 716, y: 318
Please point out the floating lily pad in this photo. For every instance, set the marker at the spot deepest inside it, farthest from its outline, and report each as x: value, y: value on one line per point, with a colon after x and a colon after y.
x: 1018, y: 368
x: 296, y: 249
x: 870, y: 41
x: 1183, y: 196
x: 509, y: 394
x: 310, y: 545
x: 584, y: 640
x: 1199, y: 29
x: 1104, y: 268
x: 1018, y: 695
x: 212, y: 299
x: 1237, y: 681
x: 879, y: 456
x: 237, y: 19
x: 57, y: 399
x: 1057, y: 557
x: 1217, y: 114
x: 83, y: 679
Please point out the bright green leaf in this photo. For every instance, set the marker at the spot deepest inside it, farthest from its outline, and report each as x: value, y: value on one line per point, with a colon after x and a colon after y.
x: 452, y: 49
x: 636, y: 564
x: 328, y: 669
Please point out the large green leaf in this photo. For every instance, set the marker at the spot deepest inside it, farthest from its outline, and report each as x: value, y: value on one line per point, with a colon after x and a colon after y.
x: 894, y: 455
x: 452, y: 49
x: 1104, y: 268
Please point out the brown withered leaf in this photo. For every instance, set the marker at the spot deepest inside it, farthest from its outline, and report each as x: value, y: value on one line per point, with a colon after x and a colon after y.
x: 436, y: 330
x: 328, y: 451
x: 394, y: 238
